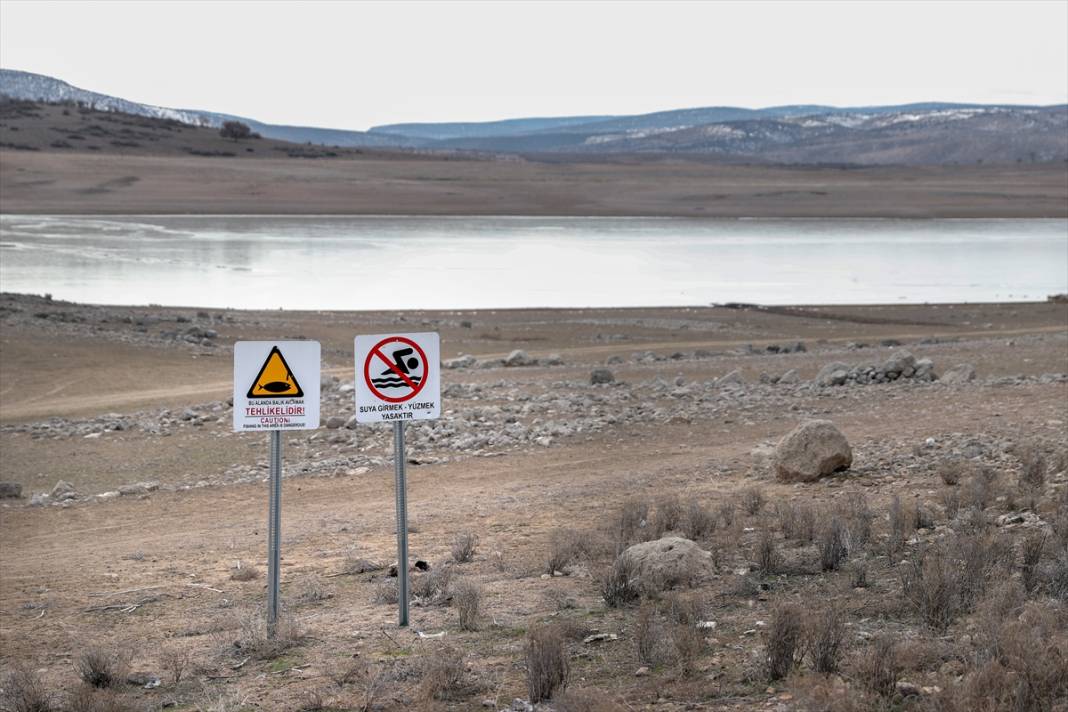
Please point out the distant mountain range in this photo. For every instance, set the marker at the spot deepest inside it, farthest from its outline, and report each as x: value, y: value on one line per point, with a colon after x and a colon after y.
x: 926, y: 133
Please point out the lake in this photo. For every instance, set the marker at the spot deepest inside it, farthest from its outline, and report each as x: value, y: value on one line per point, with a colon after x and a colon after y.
x: 485, y: 262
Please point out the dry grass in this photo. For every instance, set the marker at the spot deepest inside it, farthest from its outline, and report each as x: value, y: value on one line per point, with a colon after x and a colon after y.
x: 767, y: 554
x: 253, y: 639
x: 565, y: 546
x: 878, y: 667
x: 175, y: 661
x: 1031, y: 554
x: 467, y: 600
x: 444, y: 675
x: 698, y: 521
x: 90, y: 699
x: 752, y: 500
x: 387, y: 591
x: 782, y: 641
x: 547, y: 662
x: 431, y: 586
x: 726, y: 514
x: 619, y: 584
x: 647, y: 635
x: 952, y: 472
x: 930, y: 583
x: 632, y: 517
x: 464, y: 547
x: 101, y: 667
x: 824, y: 637
x: 23, y: 691
x: 797, y: 521
x: 832, y: 544
x: 668, y: 515
x: 586, y: 701
x: 1033, y: 469
x: 243, y: 571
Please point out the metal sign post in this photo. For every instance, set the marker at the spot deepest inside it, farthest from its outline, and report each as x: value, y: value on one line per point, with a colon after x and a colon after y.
x: 274, y: 532
x: 276, y: 388
x: 402, y: 521
x: 398, y: 378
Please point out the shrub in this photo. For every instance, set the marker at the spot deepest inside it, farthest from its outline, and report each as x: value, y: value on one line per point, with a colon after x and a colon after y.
x: 930, y: 584
x: 824, y: 635
x: 175, y: 661
x: 387, y: 591
x: 797, y: 521
x: 1033, y: 474
x: 466, y: 599
x: 90, y: 699
x: 978, y: 492
x: 951, y: 472
x: 101, y: 667
x: 752, y: 500
x: 244, y: 572
x: 254, y: 641
x: 633, y: 515
x: 619, y: 584
x: 464, y: 547
x: 832, y: 544
x: 878, y: 667
x: 898, y: 529
x: 687, y: 643
x: 858, y: 517
x: 980, y: 556
x: 565, y: 545
x: 23, y: 691
x: 647, y: 635
x: 431, y: 585
x: 668, y: 514
x: 548, y: 667
x: 726, y: 514
x: 1032, y: 549
x: 767, y: 554
x: 445, y: 675
x: 235, y: 130
x: 698, y: 521
x: 858, y: 574
x: 782, y: 637
x: 950, y: 503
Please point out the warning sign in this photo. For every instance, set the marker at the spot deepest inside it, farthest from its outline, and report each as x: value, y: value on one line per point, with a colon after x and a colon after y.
x: 398, y: 377
x: 276, y: 385
x: 275, y: 379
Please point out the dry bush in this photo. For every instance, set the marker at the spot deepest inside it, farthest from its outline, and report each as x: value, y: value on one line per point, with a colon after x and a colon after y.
x: 832, y: 544
x: 619, y: 584
x: 310, y: 590
x: 767, y: 554
x: 950, y: 503
x: 431, y: 586
x: 464, y: 547
x: 23, y: 691
x: 1003, y: 602
x: 858, y: 574
x: 726, y: 514
x: 356, y: 564
x: 920, y: 517
x: 931, y: 583
x: 648, y: 635
x: 467, y: 599
x: 1033, y: 472
x: 698, y: 521
x: 797, y: 521
x: 878, y: 667
x: 444, y: 675
x: 633, y: 516
x: 1056, y: 578
x: 565, y: 546
x: 978, y: 491
x: 782, y: 641
x: 244, y: 572
x: 899, y: 529
x: 90, y: 699
x: 687, y: 643
x: 254, y: 641
x: 101, y: 667
x: 952, y: 471
x: 387, y: 591
x: 586, y: 701
x: 752, y: 500
x: 175, y: 661
x: 548, y: 666
x: 1035, y: 648
x: 824, y: 635
x: 1031, y: 555
x: 668, y: 515
x: 858, y: 518
x: 981, y: 556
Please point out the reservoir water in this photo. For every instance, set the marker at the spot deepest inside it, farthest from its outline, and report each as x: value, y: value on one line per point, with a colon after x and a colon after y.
x: 498, y: 262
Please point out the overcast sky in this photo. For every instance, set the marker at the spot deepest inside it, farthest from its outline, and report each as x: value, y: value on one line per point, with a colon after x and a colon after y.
x: 354, y: 65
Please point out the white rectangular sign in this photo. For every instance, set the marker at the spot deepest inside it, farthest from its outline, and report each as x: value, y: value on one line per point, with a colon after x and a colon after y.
x: 276, y: 385
x: 398, y: 377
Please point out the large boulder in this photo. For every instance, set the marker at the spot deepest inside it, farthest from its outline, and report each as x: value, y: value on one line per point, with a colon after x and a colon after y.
x: 961, y: 373
x: 811, y: 450
x: 668, y: 562
x: 833, y: 374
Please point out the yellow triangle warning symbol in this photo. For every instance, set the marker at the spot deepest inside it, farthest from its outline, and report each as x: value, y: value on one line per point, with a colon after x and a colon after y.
x: 275, y: 379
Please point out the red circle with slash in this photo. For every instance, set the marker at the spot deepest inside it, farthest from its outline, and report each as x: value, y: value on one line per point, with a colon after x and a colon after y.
x: 376, y: 350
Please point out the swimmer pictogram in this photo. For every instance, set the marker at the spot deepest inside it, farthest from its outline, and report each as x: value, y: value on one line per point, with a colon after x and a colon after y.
x: 404, y: 374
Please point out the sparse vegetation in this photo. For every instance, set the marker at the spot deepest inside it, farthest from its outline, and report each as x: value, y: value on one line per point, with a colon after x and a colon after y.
x: 467, y: 599
x: 547, y: 661
x: 21, y: 690
x: 752, y: 500
x: 767, y: 554
x: 464, y: 547
x: 101, y: 667
x: 619, y: 584
x: 782, y: 641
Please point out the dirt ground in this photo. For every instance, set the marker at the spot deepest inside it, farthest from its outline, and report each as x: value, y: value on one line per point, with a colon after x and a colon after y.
x: 151, y: 575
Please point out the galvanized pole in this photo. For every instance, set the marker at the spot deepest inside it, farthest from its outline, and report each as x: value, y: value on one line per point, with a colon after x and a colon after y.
x: 402, y: 521
x: 274, y: 527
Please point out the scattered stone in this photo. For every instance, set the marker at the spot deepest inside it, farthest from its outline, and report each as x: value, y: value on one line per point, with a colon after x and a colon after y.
x: 789, y: 378
x: 334, y: 422
x: 63, y: 491
x: 39, y: 500
x: 734, y: 378
x: 462, y: 361
x: 553, y: 360
x: 833, y: 374
x: 961, y: 373
x: 105, y: 496
x: 906, y: 688
x: 518, y: 358
x: 641, y: 672
x: 811, y: 450
x: 133, y: 490
x: 600, y: 638
x: 351, y: 423
x: 10, y: 490
x: 667, y: 562
x: 601, y: 376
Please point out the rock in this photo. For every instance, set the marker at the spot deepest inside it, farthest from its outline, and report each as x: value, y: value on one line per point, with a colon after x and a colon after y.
x: 10, y: 490
x: 667, y: 562
x: 39, y: 500
x: 63, y: 491
x: 351, y: 423
x: 600, y: 376
x: 789, y: 378
x: 611, y: 360
x: 906, y: 688
x: 900, y: 363
x: 133, y: 490
x: 641, y: 672
x: 334, y: 422
x: 553, y: 360
x: 600, y: 638
x: 518, y: 358
x: 734, y: 378
x: 833, y: 374
x: 105, y: 496
x: 462, y: 361
x: 811, y: 450
x: 925, y: 370
x: 961, y: 373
